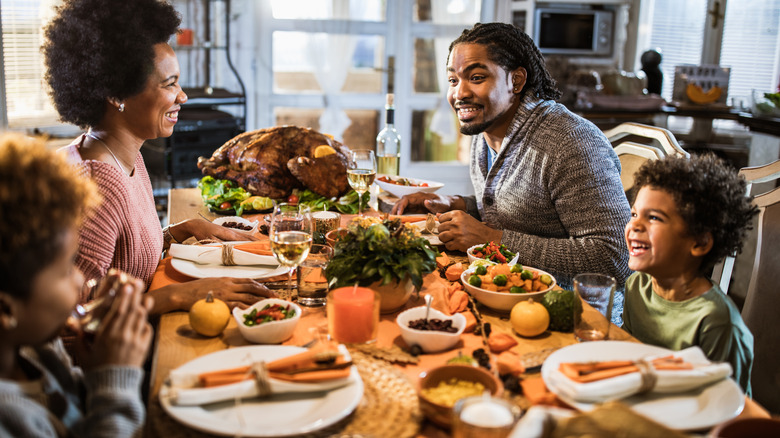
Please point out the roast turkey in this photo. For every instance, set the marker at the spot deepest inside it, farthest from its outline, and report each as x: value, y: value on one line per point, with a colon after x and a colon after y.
x: 273, y: 161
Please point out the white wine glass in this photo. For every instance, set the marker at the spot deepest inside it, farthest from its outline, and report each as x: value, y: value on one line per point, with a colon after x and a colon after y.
x: 290, y: 233
x: 361, y: 173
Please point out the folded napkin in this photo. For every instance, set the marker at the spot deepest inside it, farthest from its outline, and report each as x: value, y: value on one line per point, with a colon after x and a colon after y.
x: 611, y: 380
x: 302, y: 372
x: 225, y: 254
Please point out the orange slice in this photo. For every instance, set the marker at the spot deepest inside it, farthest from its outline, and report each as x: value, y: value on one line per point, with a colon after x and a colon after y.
x: 323, y: 150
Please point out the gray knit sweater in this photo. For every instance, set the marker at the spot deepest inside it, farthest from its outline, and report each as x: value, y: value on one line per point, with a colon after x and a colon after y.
x: 555, y: 191
x: 105, y: 402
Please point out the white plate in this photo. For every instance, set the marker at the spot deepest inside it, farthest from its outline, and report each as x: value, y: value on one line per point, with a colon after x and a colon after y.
x: 400, y: 191
x: 691, y: 410
x: 197, y: 270
x: 432, y: 238
x: 278, y: 415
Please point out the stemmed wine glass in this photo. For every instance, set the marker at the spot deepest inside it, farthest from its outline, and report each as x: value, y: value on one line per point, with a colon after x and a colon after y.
x: 361, y: 173
x: 291, y: 235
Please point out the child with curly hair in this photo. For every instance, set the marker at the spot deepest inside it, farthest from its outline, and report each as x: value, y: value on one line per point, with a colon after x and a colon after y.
x: 688, y: 214
x: 43, y: 201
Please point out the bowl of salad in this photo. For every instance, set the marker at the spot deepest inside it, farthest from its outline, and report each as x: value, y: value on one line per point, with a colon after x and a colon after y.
x: 268, y: 321
x: 492, y: 251
x: 401, y: 186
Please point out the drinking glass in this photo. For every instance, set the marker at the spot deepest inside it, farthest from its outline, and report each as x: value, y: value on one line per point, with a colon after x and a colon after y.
x: 591, y: 323
x: 88, y: 316
x: 361, y: 172
x: 290, y: 233
x: 312, y: 285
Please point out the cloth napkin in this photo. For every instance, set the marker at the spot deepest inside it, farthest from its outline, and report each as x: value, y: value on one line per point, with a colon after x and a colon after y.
x: 189, y: 389
x: 614, y: 380
x: 246, y: 254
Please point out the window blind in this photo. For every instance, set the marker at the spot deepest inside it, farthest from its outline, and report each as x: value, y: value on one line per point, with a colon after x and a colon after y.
x: 27, y: 104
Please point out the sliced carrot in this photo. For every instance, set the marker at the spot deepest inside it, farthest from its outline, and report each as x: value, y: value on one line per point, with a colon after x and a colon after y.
x: 509, y: 363
x: 442, y: 260
x: 499, y: 342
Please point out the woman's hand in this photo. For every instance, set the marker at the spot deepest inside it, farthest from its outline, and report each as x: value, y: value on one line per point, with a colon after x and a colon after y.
x: 241, y: 292
x: 124, y: 333
x: 201, y: 229
x: 422, y: 202
x: 459, y: 231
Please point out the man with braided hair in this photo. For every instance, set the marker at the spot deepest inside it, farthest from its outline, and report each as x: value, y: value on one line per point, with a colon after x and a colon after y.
x: 547, y: 181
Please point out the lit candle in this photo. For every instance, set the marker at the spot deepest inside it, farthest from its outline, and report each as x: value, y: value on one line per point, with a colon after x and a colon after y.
x: 353, y: 314
x: 487, y: 413
x: 325, y: 221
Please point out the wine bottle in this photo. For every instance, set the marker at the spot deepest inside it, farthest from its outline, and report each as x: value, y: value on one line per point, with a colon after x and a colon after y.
x: 388, y: 142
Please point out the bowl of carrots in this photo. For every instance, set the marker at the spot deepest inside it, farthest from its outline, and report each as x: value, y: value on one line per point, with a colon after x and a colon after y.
x: 268, y: 321
x: 501, y: 286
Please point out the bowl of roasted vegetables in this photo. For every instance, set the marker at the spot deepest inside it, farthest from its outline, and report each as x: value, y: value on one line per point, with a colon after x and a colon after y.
x: 400, y: 186
x: 492, y: 251
x: 501, y: 286
x: 269, y: 321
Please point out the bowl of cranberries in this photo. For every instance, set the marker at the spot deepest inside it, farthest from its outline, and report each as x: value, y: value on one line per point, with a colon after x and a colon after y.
x: 439, y: 332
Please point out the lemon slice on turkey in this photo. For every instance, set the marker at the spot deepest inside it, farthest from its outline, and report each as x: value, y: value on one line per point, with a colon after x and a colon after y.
x: 323, y: 150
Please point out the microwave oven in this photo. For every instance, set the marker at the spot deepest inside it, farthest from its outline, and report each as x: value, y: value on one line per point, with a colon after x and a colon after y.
x: 574, y: 31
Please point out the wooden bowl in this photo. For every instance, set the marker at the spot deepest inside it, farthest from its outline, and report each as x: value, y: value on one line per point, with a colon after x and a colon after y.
x: 441, y: 414
x: 333, y: 235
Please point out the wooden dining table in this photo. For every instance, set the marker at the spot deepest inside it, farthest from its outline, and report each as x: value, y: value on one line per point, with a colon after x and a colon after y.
x: 176, y: 344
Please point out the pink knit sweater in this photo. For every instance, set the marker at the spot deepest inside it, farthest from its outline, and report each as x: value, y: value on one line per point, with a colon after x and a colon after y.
x: 124, y: 231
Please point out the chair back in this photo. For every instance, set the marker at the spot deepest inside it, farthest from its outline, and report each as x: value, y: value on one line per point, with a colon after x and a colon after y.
x: 762, y: 303
x: 663, y: 137
x: 632, y: 155
x: 721, y: 274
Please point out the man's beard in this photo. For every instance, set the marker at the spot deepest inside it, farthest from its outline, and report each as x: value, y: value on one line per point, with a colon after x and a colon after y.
x: 475, y: 128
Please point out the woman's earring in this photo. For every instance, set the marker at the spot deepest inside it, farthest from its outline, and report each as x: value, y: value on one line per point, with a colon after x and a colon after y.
x: 121, y: 107
x: 11, y: 322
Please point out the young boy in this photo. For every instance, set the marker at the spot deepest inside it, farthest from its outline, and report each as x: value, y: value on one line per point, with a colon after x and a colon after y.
x: 42, y: 201
x: 688, y: 215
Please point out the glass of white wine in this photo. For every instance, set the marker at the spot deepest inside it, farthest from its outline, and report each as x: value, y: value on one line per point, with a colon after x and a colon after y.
x: 361, y: 173
x: 290, y: 233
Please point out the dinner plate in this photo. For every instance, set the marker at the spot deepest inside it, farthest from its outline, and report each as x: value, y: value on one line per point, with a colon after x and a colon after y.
x: 277, y: 415
x: 197, y: 270
x: 432, y: 238
x: 691, y: 410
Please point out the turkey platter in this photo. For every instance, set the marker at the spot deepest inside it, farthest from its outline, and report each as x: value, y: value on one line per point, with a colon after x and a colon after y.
x: 272, y: 162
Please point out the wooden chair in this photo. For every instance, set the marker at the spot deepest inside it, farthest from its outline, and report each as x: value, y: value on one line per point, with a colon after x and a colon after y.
x: 632, y: 155
x: 721, y: 274
x: 762, y: 299
x: 664, y: 138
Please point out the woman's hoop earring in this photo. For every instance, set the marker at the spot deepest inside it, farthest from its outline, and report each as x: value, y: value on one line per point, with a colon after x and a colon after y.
x: 121, y: 107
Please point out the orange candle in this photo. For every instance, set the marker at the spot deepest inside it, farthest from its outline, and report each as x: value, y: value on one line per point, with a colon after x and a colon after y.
x: 353, y: 314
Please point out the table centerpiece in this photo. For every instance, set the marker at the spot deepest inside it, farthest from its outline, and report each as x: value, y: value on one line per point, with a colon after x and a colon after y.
x: 383, y: 255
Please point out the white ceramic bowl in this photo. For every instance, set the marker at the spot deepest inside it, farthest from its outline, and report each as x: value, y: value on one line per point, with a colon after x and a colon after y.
x: 399, y: 191
x: 503, y: 301
x: 429, y: 340
x: 470, y: 253
x: 272, y: 332
x: 240, y: 220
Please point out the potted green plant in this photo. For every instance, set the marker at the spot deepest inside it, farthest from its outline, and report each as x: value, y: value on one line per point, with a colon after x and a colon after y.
x: 383, y: 255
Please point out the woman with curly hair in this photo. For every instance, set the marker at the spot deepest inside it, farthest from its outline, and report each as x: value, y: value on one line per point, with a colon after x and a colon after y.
x: 111, y: 71
x: 41, y: 394
x: 688, y: 215
x: 547, y: 181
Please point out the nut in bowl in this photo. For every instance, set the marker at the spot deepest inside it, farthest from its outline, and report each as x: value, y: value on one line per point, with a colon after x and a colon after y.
x: 400, y: 186
x: 440, y: 388
x: 239, y: 224
x: 502, y: 294
x: 272, y: 322
x: 431, y: 341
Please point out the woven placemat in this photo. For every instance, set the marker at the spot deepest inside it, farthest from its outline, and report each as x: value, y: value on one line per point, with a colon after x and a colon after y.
x: 389, y: 408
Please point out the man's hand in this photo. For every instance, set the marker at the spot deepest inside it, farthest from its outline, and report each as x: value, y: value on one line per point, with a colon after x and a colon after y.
x: 458, y: 231
x: 422, y: 202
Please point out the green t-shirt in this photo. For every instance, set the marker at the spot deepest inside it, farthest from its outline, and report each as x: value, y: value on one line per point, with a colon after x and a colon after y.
x: 710, y: 321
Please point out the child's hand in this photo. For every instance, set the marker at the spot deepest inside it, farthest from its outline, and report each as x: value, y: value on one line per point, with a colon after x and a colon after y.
x: 124, y: 335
